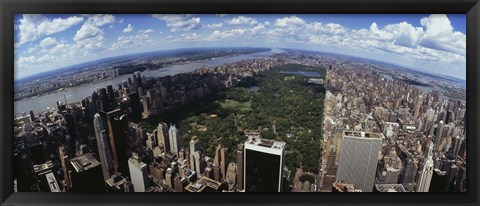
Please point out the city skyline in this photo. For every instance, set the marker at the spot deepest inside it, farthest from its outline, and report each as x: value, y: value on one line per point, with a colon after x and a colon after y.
x: 429, y: 43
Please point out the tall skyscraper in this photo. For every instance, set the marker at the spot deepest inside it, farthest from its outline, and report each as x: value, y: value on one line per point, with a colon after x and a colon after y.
x: 174, y: 139
x: 240, y: 166
x: 423, y: 184
x: 104, y: 152
x: 359, y: 158
x: 138, y: 173
x: 117, y: 128
x: 163, y: 140
x: 418, y: 105
x: 194, y: 147
x: 263, y: 165
x: 136, y: 107
x: 86, y: 174
x: 224, y: 162
x: 439, y: 133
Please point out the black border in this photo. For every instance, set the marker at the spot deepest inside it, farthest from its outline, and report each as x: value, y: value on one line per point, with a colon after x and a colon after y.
x: 9, y: 7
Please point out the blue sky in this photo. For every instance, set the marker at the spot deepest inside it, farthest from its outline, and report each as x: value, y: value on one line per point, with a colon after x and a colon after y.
x: 431, y: 43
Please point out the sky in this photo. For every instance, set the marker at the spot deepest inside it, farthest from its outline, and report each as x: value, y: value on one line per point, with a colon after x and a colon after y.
x: 433, y: 43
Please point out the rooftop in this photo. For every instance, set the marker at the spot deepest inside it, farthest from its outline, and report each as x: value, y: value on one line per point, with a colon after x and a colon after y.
x: 265, y: 142
x: 389, y: 188
x: 361, y: 134
x: 84, y: 162
x: 202, y: 183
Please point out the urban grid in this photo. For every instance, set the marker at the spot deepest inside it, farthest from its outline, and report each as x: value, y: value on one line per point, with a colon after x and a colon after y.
x: 288, y: 121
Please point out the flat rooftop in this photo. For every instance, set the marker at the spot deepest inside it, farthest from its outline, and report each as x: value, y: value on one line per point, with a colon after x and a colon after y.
x: 361, y: 134
x: 84, y: 162
x: 265, y: 143
x: 390, y: 187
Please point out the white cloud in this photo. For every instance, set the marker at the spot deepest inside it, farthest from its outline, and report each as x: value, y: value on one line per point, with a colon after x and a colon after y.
x: 127, y: 29
x: 440, y: 35
x: 241, y: 20
x: 180, y: 22
x: 33, y: 26
x: 221, y: 15
x: 214, y: 26
x: 99, y: 20
x: 87, y: 31
x: 48, y: 42
x: 289, y: 22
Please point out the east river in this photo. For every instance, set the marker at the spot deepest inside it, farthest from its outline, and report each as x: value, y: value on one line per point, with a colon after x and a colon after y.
x: 76, y: 94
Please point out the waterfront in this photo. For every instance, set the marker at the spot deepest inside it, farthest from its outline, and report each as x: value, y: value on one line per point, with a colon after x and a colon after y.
x: 76, y: 94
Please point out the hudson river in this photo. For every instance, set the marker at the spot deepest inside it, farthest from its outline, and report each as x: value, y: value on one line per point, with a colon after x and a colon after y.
x: 76, y: 94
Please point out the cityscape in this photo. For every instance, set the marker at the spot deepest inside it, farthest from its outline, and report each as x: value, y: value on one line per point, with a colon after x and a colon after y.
x: 238, y: 118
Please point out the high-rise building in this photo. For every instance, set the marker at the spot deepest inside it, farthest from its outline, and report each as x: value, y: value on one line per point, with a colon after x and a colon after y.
x: 194, y: 147
x: 240, y: 166
x: 174, y: 140
x: 359, y: 158
x: 162, y: 137
x: 86, y: 174
x: 138, y: 173
x: 439, y: 181
x: 103, y: 146
x: 224, y: 162
x: 117, y: 128
x: 263, y: 165
x: 418, y: 105
x: 426, y: 174
x: 439, y: 133
x: 136, y: 107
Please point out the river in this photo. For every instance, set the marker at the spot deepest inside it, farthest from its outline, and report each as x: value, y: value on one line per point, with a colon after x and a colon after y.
x: 76, y: 94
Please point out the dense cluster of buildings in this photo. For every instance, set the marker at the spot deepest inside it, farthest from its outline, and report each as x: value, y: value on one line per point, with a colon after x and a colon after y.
x: 380, y: 134
x: 383, y: 134
x: 99, y: 145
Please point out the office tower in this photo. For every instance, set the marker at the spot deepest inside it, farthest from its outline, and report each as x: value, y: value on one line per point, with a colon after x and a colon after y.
x: 224, y: 162
x: 104, y: 152
x: 64, y: 161
x: 111, y: 97
x: 425, y: 178
x: 409, y: 170
x: 231, y: 173
x: 138, y: 173
x: 240, y: 167
x: 117, y: 128
x: 439, y: 180
x: 174, y: 140
x: 86, y: 174
x: 198, y: 163
x: 136, y: 107
x: 194, y: 147
x: 263, y: 165
x: 418, y: 105
x: 104, y: 101
x: 71, y: 126
x: 162, y: 135
x: 359, y: 159
x: 37, y: 153
x: 438, y: 134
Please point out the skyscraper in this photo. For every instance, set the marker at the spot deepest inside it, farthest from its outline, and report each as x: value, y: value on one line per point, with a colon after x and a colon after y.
x: 117, y: 128
x: 263, y: 165
x: 418, y: 105
x: 438, y: 135
x: 423, y: 184
x: 138, y: 173
x: 240, y: 166
x: 163, y: 140
x: 174, y: 139
x: 359, y: 158
x: 86, y: 174
x: 104, y: 151
x: 194, y: 147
